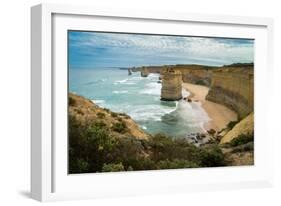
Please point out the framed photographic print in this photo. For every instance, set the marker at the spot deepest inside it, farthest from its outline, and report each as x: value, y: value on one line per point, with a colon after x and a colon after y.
x: 137, y: 102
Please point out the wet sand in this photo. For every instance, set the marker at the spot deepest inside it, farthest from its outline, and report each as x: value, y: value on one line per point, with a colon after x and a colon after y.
x: 219, y: 114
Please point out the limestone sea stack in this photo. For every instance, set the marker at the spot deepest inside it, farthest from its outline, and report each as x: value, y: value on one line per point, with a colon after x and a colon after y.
x: 171, y: 85
x: 144, y: 72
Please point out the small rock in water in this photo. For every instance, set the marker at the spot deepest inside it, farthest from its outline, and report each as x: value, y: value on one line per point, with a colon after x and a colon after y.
x: 189, y: 100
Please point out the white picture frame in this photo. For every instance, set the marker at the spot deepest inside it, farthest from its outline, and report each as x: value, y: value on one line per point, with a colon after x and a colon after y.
x: 49, y: 181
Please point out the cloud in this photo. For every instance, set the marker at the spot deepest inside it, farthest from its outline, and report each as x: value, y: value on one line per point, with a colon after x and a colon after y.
x: 97, y: 49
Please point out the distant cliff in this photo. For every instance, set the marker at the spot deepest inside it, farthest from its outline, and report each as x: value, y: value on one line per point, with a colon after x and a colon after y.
x: 196, y: 74
x: 233, y: 86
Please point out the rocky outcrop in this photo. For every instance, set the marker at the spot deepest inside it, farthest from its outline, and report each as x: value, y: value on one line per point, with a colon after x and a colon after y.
x: 144, y: 72
x: 118, y: 125
x: 234, y: 88
x: 171, y: 85
x: 245, y: 126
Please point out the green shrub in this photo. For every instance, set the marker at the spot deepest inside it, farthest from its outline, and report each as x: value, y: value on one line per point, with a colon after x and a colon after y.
x: 113, y: 114
x: 107, y: 110
x: 100, y: 124
x: 101, y: 115
x: 242, y: 139
x: 71, y: 101
x: 231, y: 124
x: 78, y: 166
x: 113, y: 167
x: 124, y: 115
x: 175, y: 164
x: 212, y: 156
x: 244, y: 148
x: 119, y: 127
x: 79, y: 111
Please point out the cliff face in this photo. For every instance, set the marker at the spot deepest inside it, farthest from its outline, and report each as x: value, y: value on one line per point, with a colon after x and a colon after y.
x: 196, y: 74
x: 245, y: 126
x: 171, y: 85
x: 234, y: 88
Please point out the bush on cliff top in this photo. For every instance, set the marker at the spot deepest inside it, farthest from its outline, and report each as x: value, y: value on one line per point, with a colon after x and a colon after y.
x: 119, y: 127
x: 242, y: 139
x: 231, y: 124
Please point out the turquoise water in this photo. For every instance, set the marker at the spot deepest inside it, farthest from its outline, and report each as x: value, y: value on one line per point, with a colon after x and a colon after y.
x: 138, y: 97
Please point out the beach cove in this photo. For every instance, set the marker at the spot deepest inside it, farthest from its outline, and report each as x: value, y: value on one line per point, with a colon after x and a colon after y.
x: 219, y: 114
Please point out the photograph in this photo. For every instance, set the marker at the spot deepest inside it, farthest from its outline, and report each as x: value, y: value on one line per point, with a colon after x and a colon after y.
x: 140, y: 102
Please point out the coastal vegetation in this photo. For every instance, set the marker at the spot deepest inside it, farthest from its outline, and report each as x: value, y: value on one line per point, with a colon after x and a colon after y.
x: 96, y: 145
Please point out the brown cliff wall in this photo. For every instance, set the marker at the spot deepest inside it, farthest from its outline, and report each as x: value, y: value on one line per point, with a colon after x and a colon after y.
x: 234, y: 88
x: 196, y: 74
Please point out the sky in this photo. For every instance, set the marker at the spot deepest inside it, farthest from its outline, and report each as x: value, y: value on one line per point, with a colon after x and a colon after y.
x: 100, y: 49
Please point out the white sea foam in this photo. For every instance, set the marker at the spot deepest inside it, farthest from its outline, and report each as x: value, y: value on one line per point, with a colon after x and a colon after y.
x: 125, y: 81
x: 144, y: 127
x: 98, y: 101
x: 185, y: 93
x: 120, y: 92
x: 121, y: 81
x: 152, y: 88
x: 153, y: 76
x: 150, y: 112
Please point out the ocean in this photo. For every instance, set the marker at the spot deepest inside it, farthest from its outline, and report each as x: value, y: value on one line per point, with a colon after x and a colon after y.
x: 139, y: 97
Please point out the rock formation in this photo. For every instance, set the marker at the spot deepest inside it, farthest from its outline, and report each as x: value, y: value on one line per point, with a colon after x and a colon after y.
x: 171, y: 85
x: 144, y: 72
x: 234, y: 88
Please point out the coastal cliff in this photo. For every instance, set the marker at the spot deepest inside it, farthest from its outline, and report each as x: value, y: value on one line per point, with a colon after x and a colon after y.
x: 171, y: 84
x: 233, y: 86
x: 196, y: 74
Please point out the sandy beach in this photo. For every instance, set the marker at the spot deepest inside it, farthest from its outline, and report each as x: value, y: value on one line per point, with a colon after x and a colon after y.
x: 219, y: 114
